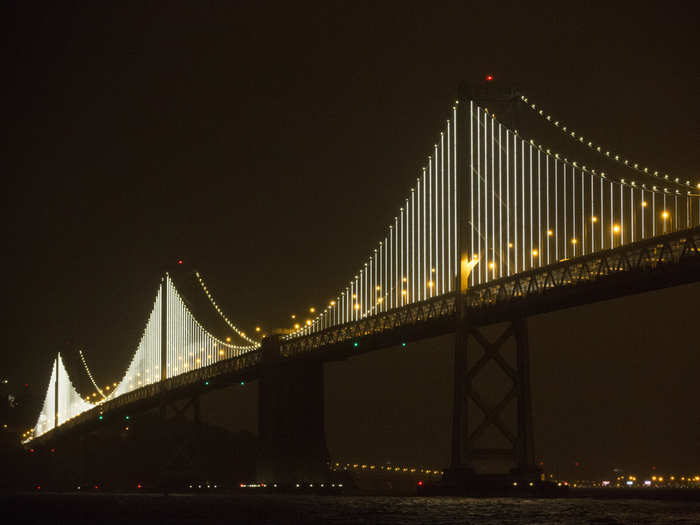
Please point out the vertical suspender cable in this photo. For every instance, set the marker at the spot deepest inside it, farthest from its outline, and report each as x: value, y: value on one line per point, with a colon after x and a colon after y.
x: 539, y: 205
x: 622, y: 215
x: 612, y: 217
x: 632, y: 225
x: 522, y: 200
x: 556, y: 209
x: 508, y: 252
x: 573, y: 211
x: 450, y: 278
x: 480, y: 253
x: 500, y: 198
x: 493, y: 201
x: 471, y: 188
x: 565, y: 228
x: 583, y: 214
x: 443, y: 262
x: 515, y: 201
x: 592, y: 220
x: 421, y: 233
x: 455, y: 219
x: 532, y: 233
x: 546, y: 178
x: 413, y: 246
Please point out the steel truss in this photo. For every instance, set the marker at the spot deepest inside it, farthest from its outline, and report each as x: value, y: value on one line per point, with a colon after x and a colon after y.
x: 651, y: 259
x: 466, y: 441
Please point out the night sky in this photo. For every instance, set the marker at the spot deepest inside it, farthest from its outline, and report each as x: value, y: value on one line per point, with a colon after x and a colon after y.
x: 269, y: 146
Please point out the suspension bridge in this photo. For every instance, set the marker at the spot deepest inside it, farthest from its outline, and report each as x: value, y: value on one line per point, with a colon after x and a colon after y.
x: 496, y: 228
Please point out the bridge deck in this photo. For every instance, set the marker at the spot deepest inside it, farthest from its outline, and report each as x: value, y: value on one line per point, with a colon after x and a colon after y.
x: 646, y: 265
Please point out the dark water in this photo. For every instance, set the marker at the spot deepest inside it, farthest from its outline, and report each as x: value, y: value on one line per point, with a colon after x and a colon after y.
x: 278, y: 509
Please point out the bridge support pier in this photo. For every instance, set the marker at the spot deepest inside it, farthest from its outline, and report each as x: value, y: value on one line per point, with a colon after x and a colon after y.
x: 291, y: 425
x: 470, y: 449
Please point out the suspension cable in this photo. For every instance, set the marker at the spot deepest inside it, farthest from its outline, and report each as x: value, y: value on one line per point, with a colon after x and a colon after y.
x: 89, y: 374
x: 599, y: 149
x: 240, y: 333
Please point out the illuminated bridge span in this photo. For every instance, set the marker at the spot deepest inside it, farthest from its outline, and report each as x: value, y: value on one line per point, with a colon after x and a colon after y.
x: 496, y: 227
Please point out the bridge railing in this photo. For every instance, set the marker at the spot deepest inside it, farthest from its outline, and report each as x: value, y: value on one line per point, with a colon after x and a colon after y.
x: 436, y: 309
x: 641, y: 256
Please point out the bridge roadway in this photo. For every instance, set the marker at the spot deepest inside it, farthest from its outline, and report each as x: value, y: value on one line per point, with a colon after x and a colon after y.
x: 651, y: 264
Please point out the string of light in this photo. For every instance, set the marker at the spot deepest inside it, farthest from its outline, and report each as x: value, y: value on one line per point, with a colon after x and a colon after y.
x: 216, y: 307
x: 340, y: 465
x: 602, y: 151
x: 218, y: 341
x: 89, y: 374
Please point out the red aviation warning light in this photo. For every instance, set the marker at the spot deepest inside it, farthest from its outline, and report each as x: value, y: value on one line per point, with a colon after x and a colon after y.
x: 489, y: 78
x: 179, y: 261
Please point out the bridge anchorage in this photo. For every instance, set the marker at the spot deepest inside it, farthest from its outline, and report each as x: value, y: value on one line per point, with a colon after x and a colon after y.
x: 497, y: 228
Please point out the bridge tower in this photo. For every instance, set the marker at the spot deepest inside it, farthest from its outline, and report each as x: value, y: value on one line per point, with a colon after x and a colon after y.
x: 474, y: 351
x: 291, y: 423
